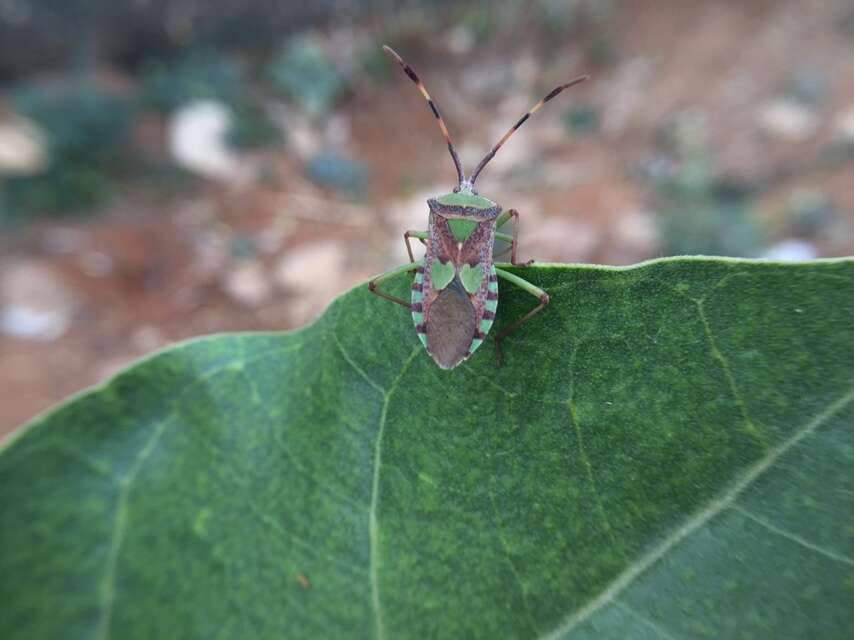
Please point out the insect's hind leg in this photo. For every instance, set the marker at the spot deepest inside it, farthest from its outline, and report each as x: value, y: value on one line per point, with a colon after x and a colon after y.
x: 406, y: 268
x: 502, y: 219
x: 421, y: 235
x: 525, y: 286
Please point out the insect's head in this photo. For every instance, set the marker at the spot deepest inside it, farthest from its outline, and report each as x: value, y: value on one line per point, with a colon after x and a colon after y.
x: 464, y: 201
x: 465, y: 189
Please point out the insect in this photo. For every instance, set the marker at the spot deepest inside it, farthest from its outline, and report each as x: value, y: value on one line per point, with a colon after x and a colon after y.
x: 455, y: 293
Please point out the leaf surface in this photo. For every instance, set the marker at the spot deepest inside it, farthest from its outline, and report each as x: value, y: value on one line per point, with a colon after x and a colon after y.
x: 668, y: 452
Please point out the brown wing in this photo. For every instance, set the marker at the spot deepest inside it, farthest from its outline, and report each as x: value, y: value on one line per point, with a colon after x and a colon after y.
x: 451, y: 320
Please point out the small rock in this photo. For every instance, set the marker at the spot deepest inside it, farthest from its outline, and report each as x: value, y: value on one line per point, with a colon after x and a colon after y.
x: 197, y: 212
x: 624, y: 94
x: 636, y: 235
x: 337, y: 131
x: 269, y: 241
x: 792, y: 250
x: 35, y: 304
x: 96, y: 264
x: 198, y: 134
x: 489, y: 77
x: 788, y: 120
x: 62, y: 240
x: 112, y: 366
x: 526, y: 70
x: 556, y: 239
x: 247, y: 284
x: 460, y: 40
x: 845, y: 125
x: 211, y: 253
x: 22, y: 148
x: 315, y: 273
x: 147, y: 338
x: 310, y: 266
x: 304, y: 137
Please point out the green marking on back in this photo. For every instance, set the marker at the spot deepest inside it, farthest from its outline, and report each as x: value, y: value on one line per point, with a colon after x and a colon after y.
x: 442, y: 274
x: 461, y: 228
x: 472, y: 277
x: 463, y: 199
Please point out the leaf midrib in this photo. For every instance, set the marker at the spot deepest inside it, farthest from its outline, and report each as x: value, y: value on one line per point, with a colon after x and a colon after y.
x: 373, y: 522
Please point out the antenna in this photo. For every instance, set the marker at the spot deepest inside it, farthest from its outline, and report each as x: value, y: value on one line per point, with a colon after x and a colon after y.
x: 414, y: 77
x: 518, y: 124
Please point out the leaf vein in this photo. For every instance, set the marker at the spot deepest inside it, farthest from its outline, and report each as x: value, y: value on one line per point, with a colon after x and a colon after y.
x: 649, y: 623
x: 108, y: 581
x: 582, y: 451
x: 119, y: 528
x: 373, y: 523
x: 506, y: 549
x: 718, y: 504
x: 303, y: 544
x: 751, y: 427
x: 792, y: 537
x: 355, y: 366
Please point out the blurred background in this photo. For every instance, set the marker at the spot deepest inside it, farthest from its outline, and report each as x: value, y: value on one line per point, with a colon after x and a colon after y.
x: 176, y: 168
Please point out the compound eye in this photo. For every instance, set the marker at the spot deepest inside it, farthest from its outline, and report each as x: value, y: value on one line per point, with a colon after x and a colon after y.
x: 456, y: 189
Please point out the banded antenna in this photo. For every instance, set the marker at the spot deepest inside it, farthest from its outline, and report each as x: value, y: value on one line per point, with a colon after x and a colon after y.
x: 414, y: 77
x: 519, y: 123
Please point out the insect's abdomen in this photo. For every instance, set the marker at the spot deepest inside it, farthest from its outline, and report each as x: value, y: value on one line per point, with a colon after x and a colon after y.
x: 450, y: 324
x: 456, y: 323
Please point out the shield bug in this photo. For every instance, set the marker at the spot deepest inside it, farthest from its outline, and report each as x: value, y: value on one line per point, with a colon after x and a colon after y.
x: 455, y: 293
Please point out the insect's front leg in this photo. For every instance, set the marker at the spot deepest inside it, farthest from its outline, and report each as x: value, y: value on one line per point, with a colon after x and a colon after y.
x: 406, y: 268
x: 514, y: 239
x: 525, y: 286
x: 421, y: 235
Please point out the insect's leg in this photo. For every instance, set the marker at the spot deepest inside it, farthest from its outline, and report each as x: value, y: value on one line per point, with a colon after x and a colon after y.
x: 421, y: 235
x: 525, y: 286
x: 504, y: 217
x: 501, y: 220
x: 406, y: 268
x: 504, y: 237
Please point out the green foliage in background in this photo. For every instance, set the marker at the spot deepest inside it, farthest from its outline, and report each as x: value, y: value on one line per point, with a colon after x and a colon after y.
x: 668, y: 452
x: 336, y: 171
x: 86, y: 130
x: 304, y: 73
x: 205, y: 75
x: 481, y: 20
x: 200, y: 75
x: 372, y: 64
x: 581, y: 119
x: 701, y: 213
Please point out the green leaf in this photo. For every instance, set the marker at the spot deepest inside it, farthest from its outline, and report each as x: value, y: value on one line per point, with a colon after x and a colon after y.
x: 668, y: 452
